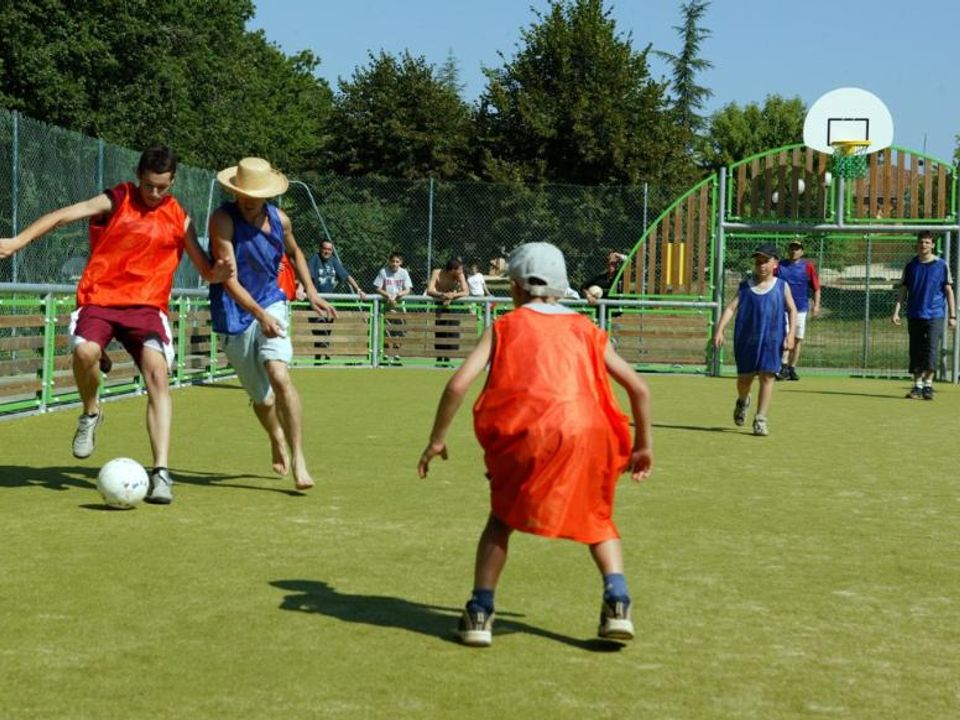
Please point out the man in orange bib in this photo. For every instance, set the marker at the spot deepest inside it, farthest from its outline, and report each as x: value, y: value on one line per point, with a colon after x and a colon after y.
x: 138, y: 233
x: 554, y: 439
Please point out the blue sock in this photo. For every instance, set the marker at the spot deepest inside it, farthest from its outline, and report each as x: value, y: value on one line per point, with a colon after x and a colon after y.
x: 481, y: 599
x: 615, y: 587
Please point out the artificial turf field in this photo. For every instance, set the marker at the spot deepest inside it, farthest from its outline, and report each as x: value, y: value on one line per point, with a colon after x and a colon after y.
x: 812, y: 573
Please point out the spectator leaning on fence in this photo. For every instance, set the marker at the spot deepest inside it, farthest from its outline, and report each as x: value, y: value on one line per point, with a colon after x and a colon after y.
x: 604, y: 280
x: 327, y: 271
x: 138, y: 233
x: 926, y: 286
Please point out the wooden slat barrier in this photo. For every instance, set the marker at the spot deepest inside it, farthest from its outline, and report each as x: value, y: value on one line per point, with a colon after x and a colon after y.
x: 420, y: 333
x: 661, y: 338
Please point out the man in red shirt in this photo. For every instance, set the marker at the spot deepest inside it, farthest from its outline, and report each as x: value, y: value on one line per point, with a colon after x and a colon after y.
x: 138, y: 233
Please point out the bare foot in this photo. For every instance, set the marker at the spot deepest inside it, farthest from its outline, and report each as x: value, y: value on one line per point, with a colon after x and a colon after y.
x: 281, y: 463
x: 301, y: 476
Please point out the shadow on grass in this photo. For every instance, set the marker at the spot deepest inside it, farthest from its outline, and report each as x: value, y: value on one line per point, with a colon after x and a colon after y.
x: 312, y: 596
x: 851, y: 394
x: 85, y: 478
x: 699, y: 428
x: 51, y: 477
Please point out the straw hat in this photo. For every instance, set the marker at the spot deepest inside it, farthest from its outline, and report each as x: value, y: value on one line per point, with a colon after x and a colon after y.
x: 253, y: 177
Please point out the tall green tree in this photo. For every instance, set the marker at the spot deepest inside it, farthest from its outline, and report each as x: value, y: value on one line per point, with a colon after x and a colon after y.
x: 735, y: 133
x: 188, y: 74
x: 577, y: 105
x: 688, y: 96
x: 399, y: 118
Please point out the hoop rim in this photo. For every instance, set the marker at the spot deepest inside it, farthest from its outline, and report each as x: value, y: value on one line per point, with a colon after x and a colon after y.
x: 849, y: 147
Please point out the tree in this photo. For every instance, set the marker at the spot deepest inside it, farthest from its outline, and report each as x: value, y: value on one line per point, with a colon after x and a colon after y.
x: 735, y: 133
x: 398, y: 118
x: 187, y: 74
x: 577, y: 105
x: 689, y: 97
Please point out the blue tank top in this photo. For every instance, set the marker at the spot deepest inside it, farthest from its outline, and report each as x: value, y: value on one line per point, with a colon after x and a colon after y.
x: 925, y: 283
x: 258, y: 261
x: 760, y: 328
x: 796, y: 275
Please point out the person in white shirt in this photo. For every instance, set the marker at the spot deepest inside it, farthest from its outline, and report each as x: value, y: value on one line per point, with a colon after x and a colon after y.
x: 393, y: 283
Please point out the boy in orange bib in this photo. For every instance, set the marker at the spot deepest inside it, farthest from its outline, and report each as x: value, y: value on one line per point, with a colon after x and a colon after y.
x: 555, y: 442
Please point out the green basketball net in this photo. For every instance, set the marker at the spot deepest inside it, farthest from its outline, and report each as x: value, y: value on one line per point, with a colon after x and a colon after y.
x: 849, y: 159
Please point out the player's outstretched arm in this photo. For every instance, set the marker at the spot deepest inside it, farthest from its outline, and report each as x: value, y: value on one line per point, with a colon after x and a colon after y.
x: 641, y: 457
x: 97, y: 205
x: 213, y: 273
x: 452, y: 399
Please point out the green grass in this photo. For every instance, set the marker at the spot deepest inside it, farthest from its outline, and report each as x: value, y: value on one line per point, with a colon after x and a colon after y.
x: 809, y: 574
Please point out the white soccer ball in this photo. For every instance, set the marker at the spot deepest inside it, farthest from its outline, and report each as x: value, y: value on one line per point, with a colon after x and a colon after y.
x: 595, y: 291
x: 123, y: 483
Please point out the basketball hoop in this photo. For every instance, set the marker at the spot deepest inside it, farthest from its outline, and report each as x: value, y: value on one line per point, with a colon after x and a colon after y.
x: 849, y: 159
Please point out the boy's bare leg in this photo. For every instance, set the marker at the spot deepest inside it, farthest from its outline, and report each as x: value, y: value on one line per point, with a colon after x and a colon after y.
x: 267, y: 415
x: 608, y: 555
x: 86, y: 374
x: 491, y: 554
x: 153, y: 369
x: 766, y: 392
x: 743, y: 385
x: 290, y: 414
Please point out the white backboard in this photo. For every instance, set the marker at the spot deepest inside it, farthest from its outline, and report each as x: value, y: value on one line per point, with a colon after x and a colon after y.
x: 848, y: 114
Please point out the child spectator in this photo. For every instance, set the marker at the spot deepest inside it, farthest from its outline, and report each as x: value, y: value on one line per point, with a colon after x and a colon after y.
x: 476, y: 283
x: 759, y: 336
x: 554, y: 439
x: 393, y: 283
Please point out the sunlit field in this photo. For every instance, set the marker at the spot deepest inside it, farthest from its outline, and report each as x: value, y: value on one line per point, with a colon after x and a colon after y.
x: 812, y: 573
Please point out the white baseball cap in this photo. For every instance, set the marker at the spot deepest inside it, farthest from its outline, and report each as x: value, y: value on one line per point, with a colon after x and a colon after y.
x: 539, y: 261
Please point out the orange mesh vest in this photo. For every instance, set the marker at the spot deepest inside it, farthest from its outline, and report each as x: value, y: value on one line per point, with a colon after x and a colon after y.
x: 554, y: 439
x: 287, y: 278
x: 134, y: 256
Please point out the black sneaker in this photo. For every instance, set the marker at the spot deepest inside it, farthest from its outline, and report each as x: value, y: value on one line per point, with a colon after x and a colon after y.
x: 915, y: 393
x: 927, y: 392
x: 781, y: 374
x: 792, y: 373
x: 476, y: 627
x: 740, y: 410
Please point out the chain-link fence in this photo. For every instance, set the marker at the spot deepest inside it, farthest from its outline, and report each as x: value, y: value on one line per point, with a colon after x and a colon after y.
x: 859, y: 278
x: 43, y: 167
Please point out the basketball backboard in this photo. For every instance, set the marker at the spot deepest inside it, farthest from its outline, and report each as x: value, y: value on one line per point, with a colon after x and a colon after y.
x: 848, y: 114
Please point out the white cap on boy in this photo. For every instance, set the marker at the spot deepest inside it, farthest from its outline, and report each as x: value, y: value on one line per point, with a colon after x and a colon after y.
x: 540, y: 261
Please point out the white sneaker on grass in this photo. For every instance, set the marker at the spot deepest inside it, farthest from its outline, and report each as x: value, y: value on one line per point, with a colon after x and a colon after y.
x: 84, y: 439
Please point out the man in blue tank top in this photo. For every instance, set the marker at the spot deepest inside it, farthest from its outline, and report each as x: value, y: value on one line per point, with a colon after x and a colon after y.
x: 927, y: 287
x: 250, y: 310
x: 801, y: 276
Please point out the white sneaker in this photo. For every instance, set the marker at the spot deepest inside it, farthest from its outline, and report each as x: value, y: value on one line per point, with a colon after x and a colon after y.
x: 161, y: 487
x: 615, y: 622
x: 84, y: 439
x: 760, y: 425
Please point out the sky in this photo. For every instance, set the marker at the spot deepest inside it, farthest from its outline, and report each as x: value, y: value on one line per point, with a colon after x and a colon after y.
x: 902, y: 52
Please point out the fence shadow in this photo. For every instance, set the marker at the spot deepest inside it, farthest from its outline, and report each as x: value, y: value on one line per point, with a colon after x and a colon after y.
x: 63, y: 477
x: 315, y: 596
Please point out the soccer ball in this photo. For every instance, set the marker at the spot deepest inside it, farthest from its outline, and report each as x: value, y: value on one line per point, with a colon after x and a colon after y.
x: 123, y: 483
x: 595, y: 291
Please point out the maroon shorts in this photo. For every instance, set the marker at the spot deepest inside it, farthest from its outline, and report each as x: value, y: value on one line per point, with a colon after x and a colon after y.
x: 134, y: 327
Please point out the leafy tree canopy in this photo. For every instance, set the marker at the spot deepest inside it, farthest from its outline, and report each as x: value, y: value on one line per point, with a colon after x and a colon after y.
x: 577, y: 105
x: 735, y: 133
x: 183, y: 73
x: 398, y: 117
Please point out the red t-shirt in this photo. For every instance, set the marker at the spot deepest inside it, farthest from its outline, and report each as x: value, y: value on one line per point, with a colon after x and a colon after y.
x: 134, y: 252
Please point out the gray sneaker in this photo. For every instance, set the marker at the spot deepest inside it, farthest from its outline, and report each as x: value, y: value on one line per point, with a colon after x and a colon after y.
x: 740, y: 410
x: 84, y: 439
x: 476, y: 628
x: 615, y: 622
x: 760, y: 425
x: 161, y: 487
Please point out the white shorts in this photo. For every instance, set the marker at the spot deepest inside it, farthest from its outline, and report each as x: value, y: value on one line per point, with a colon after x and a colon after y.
x: 801, y: 325
x: 249, y: 352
